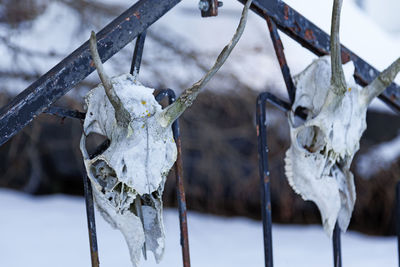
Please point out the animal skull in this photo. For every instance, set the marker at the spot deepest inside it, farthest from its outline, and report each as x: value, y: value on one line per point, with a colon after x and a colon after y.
x: 317, y: 164
x: 128, y: 177
x: 322, y: 148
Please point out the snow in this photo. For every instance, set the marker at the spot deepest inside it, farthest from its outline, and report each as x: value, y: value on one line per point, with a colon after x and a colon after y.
x: 52, y: 231
x: 378, y: 157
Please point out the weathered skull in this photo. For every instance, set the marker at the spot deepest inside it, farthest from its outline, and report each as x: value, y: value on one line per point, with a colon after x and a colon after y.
x: 128, y: 178
x: 322, y: 148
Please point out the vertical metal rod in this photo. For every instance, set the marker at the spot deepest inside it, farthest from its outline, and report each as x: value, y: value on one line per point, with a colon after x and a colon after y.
x: 337, y: 248
x: 278, y: 46
x: 180, y: 190
x: 264, y: 178
x: 398, y: 220
x: 94, y: 254
x: 137, y: 53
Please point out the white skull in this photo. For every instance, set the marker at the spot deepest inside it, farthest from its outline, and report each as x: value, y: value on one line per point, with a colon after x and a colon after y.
x: 128, y: 178
x: 322, y: 148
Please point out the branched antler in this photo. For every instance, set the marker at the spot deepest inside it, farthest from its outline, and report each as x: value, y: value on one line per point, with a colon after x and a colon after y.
x: 121, y: 114
x: 186, y: 99
x: 338, y: 81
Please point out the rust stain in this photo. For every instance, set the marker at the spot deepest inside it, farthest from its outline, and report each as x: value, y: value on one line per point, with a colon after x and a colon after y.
x: 269, y: 206
x: 345, y: 57
x: 309, y: 35
x: 280, y: 54
x: 92, y: 64
x: 137, y: 14
x: 286, y: 12
x: 266, y: 179
x: 258, y: 130
x: 393, y: 97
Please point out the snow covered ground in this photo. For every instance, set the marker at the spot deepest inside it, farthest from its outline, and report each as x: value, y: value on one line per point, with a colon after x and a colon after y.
x: 51, y: 231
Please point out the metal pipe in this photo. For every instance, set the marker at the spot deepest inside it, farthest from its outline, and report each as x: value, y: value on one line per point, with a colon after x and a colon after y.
x: 264, y: 177
x: 337, y: 247
x: 180, y: 190
x: 398, y: 220
x: 94, y: 253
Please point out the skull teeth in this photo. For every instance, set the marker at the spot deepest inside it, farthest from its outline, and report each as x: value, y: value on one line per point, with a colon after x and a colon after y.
x: 289, y: 173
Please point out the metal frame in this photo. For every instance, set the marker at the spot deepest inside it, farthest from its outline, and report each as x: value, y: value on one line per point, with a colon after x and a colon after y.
x: 315, y: 40
x: 133, y: 23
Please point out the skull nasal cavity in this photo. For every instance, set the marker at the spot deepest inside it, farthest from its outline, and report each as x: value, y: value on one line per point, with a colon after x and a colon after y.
x: 311, y: 139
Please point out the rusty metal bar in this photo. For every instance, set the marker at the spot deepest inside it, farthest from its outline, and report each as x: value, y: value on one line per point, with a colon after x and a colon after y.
x: 264, y: 177
x: 137, y: 53
x: 314, y: 39
x: 65, y: 113
x: 94, y: 253
x: 337, y: 247
x: 180, y: 190
x: 278, y: 46
x: 77, y: 66
x: 398, y: 220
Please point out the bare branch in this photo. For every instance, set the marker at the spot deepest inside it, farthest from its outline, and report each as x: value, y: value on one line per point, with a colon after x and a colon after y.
x: 121, y: 114
x: 338, y: 81
x: 384, y: 79
x: 186, y: 99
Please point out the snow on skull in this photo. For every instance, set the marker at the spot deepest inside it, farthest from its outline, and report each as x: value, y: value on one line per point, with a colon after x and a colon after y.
x: 317, y: 164
x: 128, y: 177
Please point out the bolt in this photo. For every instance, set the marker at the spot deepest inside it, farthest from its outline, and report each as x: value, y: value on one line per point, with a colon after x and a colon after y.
x: 204, y: 5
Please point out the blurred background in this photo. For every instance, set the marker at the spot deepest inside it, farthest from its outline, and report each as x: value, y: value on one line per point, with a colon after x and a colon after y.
x: 218, y: 132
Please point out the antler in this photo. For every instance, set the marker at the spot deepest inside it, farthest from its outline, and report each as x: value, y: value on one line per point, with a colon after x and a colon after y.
x: 121, y: 114
x: 185, y: 100
x: 338, y: 81
x: 384, y: 79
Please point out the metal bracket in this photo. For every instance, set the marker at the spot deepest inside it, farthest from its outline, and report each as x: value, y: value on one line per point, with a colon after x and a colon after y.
x: 209, y: 8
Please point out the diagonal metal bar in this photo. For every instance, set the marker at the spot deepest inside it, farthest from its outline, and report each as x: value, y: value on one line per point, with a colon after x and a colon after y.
x: 314, y: 39
x: 65, y: 113
x: 75, y: 67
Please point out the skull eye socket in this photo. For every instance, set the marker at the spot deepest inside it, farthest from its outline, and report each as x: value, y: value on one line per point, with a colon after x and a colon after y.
x: 93, y: 142
x: 311, y: 139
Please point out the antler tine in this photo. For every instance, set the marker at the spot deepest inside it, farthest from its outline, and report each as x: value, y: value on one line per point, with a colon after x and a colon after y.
x: 121, y: 114
x: 186, y: 99
x: 382, y: 81
x: 338, y: 81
